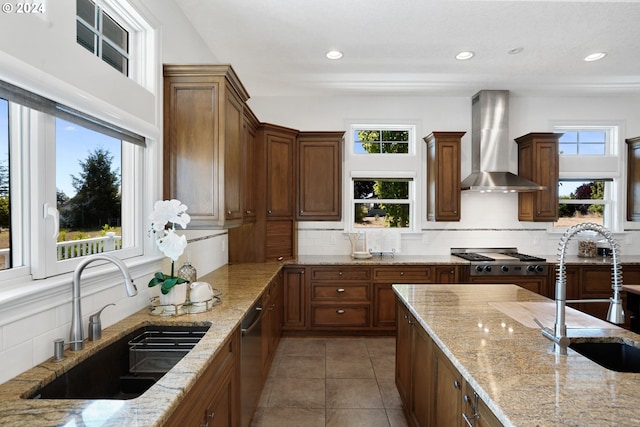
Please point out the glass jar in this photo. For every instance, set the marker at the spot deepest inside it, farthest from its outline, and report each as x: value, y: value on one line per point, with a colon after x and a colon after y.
x: 188, y: 272
x: 587, y: 244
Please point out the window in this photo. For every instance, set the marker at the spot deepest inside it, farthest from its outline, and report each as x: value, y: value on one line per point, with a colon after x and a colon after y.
x: 381, y: 203
x: 5, y: 218
x: 589, y: 176
x: 74, y: 191
x: 101, y: 35
x: 381, y: 141
x: 383, y: 165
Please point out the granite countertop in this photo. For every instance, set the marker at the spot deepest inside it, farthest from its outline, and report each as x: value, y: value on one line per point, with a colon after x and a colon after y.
x: 240, y: 285
x: 512, y: 366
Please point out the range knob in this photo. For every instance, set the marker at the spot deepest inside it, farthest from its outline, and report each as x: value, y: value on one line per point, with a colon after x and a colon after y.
x: 539, y: 268
x: 479, y: 268
x: 487, y: 268
x: 531, y: 268
x: 504, y: 268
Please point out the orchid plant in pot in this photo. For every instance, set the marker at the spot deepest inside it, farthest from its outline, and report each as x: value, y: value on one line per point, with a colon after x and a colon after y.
x: 166, y: 214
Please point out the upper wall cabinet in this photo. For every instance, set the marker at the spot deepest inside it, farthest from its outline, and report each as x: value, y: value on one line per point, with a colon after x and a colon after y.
x: 443, y: 176
x: 203, y: 135
x: 319, y: 176
x: 538, y: 161
x: 633, y: 179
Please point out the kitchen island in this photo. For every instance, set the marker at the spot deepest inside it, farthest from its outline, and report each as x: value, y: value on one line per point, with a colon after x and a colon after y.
x: 486, y: 332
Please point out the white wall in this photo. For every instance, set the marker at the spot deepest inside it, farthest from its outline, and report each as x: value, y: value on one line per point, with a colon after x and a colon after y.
x: 487, y: 219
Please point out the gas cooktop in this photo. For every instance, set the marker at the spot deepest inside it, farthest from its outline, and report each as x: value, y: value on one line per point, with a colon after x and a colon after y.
x: 501, y: 261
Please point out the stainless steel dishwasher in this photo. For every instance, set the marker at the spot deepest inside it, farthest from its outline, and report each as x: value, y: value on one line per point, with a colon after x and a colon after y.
x: 251, y: 363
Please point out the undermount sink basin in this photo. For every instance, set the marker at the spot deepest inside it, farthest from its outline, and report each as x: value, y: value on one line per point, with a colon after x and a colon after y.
x: 614, y: 355
x: 126, y: 368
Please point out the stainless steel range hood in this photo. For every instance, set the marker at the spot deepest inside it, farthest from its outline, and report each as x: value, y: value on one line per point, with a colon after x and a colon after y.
x: 490, y: 146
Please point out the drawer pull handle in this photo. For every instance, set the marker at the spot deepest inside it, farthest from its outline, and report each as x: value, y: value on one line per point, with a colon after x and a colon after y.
x: 340, y: 290
x: 340, y: 311
x: 280, y: 258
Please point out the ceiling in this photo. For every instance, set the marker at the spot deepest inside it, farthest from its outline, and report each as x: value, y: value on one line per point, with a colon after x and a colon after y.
x: 408, y: 47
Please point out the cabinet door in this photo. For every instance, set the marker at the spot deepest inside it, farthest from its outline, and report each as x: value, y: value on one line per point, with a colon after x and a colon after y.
x: 538, y: 161
x: 280, y: 239
x: 280, y: 174
x: 232, y: 158
x: 423, y: 377
x: 384, y: 306
x: 403, y: 352
x: 249, y: 165
x: 294, y: 298
x: 443, y: 176
x: 221, y: 411
x: 190, y: 147
x: 319, y: 176
x: 448, y: 391
x: 633, y: 179
x: 445, y: 274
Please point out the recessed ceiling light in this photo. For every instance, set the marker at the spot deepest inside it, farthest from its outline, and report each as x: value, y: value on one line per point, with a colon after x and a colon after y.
x: 515, y: 50
x: 334, y: 54
x: 595, y: 56
x: 463, y: 56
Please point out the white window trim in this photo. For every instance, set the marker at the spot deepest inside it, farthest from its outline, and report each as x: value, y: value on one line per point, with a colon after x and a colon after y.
x: 414, y: 221
x: 611, y: 165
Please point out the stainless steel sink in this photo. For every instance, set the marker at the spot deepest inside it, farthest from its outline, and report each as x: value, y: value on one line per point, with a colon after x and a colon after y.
x: 615, y: 355
x: 126, y: 368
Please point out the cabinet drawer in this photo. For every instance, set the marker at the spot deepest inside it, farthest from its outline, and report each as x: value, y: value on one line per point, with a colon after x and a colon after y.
x: 339, y: 316
x: 341, y: 273
x: 340, y: 292
x: 403, y: 275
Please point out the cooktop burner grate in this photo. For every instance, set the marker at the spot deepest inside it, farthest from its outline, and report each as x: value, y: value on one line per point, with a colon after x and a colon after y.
x: 471, y: 256
x: 524, y: 257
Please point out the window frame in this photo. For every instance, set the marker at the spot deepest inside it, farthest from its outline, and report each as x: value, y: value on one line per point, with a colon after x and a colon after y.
x: 589, y: 167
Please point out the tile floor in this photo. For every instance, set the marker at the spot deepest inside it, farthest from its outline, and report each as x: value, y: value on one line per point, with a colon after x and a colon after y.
x: 331, y: 382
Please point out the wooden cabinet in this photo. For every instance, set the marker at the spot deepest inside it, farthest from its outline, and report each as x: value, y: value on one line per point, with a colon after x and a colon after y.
x: 272, y: 236
x: 294, y: 282
x: 633, y: 179
x: 214, y: 400
x: 340, y: 297
x: 271, y: 322
x: 538, y: 161
x: 319, y: 195
x: 443, y: 176
x: 432, y: 390
x: 203, y: 109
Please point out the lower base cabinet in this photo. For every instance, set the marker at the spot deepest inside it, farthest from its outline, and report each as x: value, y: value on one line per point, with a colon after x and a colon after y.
x: 432, y: 390
x: 214, y: 400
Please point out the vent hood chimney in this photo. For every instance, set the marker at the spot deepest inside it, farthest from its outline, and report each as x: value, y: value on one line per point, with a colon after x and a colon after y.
x: 490, y: 146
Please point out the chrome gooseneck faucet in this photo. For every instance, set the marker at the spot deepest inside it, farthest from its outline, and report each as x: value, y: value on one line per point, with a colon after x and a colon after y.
x: 77, y: 331
x: 615, y: 313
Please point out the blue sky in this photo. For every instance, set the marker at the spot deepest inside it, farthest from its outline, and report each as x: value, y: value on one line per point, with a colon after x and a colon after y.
x: 73, y: 144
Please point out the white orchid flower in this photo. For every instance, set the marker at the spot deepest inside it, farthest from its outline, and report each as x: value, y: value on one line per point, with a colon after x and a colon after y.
x: 172, y: 245
x: 168, y: 211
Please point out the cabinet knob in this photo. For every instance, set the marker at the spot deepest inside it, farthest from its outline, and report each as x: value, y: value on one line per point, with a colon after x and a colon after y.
x: 247, y: 212
x: 341, y: 311
x: 229, y: 212
x: 402, y: 273
x: 301, y: 271
x: 301, y: 211
x: 340, y: 290
x: 280, y: 258
x: 269, y: 212
x: 340, y: 273
x: 456, y: 384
